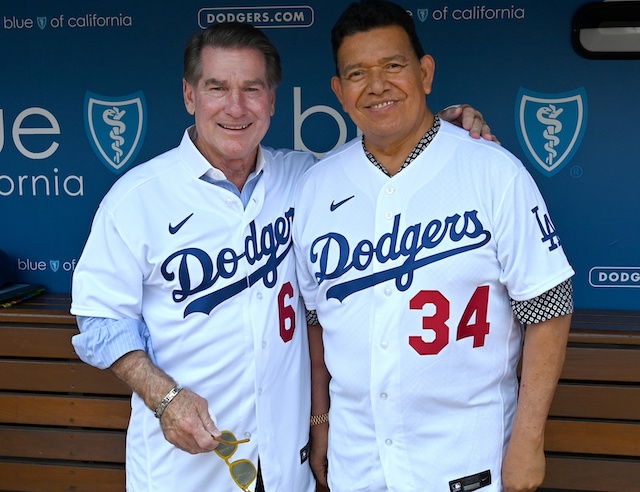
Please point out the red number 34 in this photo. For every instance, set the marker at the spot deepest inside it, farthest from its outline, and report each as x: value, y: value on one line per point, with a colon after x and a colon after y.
x: 478, y: 329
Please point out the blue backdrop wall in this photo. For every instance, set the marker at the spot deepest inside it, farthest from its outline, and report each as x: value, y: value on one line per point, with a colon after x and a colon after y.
x: 90, y: 89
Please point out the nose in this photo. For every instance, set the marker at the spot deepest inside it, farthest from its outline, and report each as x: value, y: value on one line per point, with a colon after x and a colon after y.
x: 236, y: 103
x: 376, y: 80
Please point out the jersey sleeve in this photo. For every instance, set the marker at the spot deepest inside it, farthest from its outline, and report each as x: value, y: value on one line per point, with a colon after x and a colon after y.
x: 107, y: 281
x: 529, y: 247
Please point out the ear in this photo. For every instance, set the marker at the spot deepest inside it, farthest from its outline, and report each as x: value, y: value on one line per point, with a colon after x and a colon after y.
x: 187, y: 94
x: 428, y: 67
x: 336, y: 86
x: 273, y: 103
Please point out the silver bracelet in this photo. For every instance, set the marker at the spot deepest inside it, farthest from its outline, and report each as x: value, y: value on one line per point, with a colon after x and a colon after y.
x: 167, y: 399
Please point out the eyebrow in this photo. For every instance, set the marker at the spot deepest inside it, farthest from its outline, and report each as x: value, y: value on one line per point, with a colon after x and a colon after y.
x: 382, y: 61
x: 246, y: 83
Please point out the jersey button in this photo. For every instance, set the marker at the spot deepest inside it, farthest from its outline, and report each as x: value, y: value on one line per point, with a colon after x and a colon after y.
x: 388, y: 292
x: 385, y: 345
x: 388, y: 216
x: 383, y: 396
x: 388, y: 442
x: 390, y: 190
x: 247, y: 435
x: 259, y: 295
x: 264, y: 344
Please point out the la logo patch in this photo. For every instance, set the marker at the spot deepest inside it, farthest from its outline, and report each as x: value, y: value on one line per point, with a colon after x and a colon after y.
x: 116, y: 127
x: 548, y: 230
x: 550, y: 127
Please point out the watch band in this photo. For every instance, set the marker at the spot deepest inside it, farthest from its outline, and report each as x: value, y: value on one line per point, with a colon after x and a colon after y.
x: 319, y: 419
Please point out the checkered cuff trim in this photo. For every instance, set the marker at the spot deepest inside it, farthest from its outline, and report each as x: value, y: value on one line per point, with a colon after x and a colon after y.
x: 312, y: 318
x: 555, y: 302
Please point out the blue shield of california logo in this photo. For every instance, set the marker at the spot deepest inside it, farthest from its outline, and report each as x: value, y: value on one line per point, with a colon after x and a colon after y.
x: 115, y: 127
x: 550, y: 127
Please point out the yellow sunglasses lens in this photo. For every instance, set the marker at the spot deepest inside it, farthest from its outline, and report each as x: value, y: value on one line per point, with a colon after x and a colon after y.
x: 243, y: 472
x: 226, y: 450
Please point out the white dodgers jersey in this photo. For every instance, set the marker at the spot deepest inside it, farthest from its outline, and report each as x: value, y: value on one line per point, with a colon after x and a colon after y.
x: 215, y: 284
x: 411, y: 277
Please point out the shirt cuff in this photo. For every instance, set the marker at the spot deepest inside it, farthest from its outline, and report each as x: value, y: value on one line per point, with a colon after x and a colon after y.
x: 312, y: 317
x: 555, y: 302
x: 102, y: 341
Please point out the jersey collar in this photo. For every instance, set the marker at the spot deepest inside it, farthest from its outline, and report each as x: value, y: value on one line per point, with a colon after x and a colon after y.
x: 199, y: 166
x: 426, y: 139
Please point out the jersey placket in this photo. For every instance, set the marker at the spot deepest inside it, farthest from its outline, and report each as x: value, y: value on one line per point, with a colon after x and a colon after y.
x: 386, y: 353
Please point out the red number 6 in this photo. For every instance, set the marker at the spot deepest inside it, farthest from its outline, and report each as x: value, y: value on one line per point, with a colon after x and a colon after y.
x: 286, y: 313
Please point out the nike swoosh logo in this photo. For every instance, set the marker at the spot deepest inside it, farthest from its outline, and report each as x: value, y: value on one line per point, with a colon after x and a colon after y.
x: 342, y: 202
x: 176, y: 228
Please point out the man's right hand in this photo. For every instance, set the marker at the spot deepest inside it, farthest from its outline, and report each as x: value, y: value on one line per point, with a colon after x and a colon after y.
x: 186, y: 423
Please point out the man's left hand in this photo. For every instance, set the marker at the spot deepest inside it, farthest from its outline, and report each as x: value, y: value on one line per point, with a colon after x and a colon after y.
x: 523, y: 467
x: 470, y: 119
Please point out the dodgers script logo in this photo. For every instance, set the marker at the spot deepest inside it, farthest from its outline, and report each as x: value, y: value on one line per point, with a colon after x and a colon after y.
x: 116, y: 127
x: 452, y: 236
x: 197, y: 271
x: 550, y: 127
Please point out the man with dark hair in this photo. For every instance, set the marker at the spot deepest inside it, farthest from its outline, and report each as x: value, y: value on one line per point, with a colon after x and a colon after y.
x: 424, y: 254
x: 186, y: 288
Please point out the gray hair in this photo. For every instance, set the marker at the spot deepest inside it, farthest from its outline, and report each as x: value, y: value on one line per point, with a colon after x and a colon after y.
x: 231, y: 35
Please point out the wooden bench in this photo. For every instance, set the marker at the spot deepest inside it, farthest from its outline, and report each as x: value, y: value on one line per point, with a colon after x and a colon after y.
x: 592, y: 437
x: 62, y: 423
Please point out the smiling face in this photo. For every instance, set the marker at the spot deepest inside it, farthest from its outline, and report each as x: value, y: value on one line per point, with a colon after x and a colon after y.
x: 232, y: 104
x: 382, y: 86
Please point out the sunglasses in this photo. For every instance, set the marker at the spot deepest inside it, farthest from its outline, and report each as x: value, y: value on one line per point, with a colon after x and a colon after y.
x: 242, y: 471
